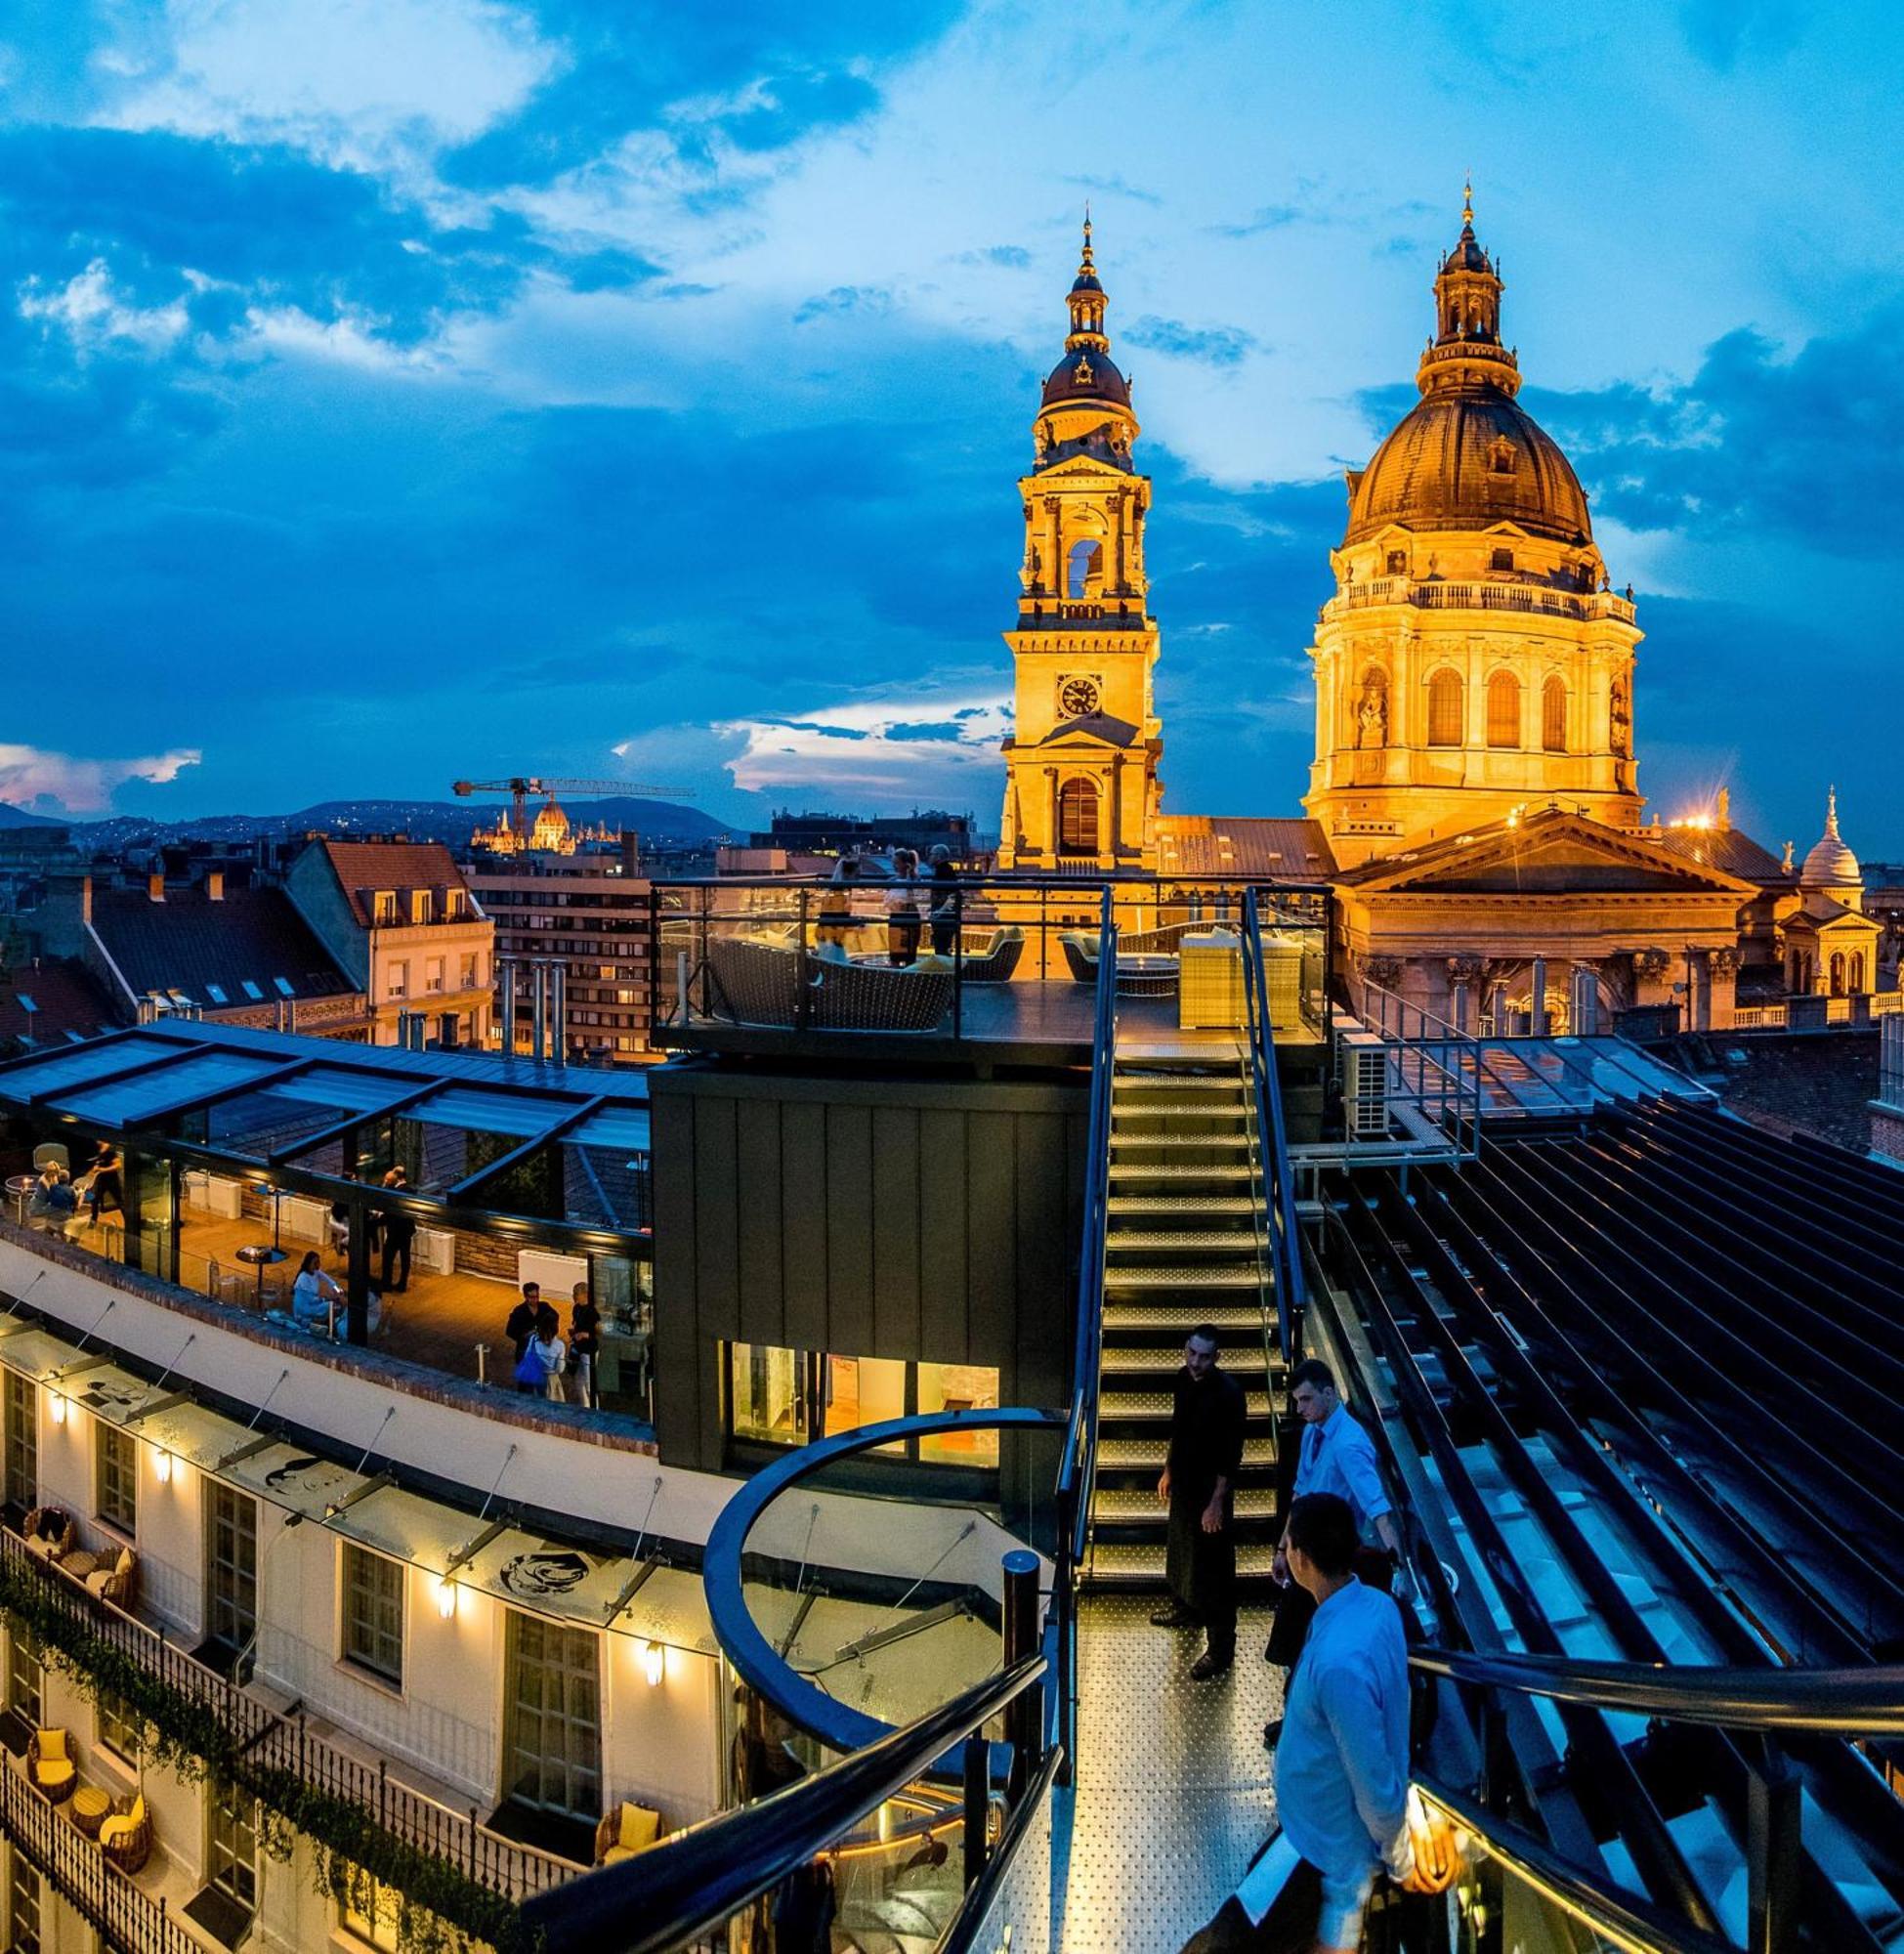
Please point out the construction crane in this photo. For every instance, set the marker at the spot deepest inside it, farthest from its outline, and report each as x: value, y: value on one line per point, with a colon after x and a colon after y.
x: 521, y: 787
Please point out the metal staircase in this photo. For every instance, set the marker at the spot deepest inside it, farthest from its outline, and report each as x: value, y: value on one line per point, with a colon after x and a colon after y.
x: 1186, y: 1242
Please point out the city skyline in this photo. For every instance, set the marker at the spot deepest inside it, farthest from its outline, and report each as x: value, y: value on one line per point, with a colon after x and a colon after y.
x: 629, y: 398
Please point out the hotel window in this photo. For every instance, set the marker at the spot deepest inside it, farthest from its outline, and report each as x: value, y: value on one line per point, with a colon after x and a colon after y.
x: 23, y: 1416
x: 433, y: 973
x: 22, y: 1903
x: 455, y: 905
x: 785, y: 1397
x: 383, y: 907
x: 369, y: 1912
x: 1446, y: 708
x: 422, y: 905
x: 116, y: 1468
x: 373, y: 1613
x: 1503, y: 709
x: 467, y: 970
x: 232, y: 1847
x: 1553, y: 715
x: 116, y: 1725
x: 396, y: 980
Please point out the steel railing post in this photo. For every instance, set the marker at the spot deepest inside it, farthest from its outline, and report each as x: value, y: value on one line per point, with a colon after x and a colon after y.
x: 1774, y: 1854
x: 975, y: 1806
x: 1024, y: 1714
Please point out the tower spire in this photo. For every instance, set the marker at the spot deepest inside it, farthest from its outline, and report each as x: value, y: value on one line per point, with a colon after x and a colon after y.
x: 1086, y: 300
x: 1468, y: 206
x: 1830, y: 812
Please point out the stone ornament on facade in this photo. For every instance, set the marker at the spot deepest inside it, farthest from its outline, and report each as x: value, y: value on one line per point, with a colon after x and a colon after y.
x: 1723, y: 961
x: 1465, y: 969
x: 1384, y: 970
x: 1651, y: 964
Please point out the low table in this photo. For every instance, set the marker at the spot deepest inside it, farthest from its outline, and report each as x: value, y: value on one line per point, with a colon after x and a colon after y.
x: 79, y: 1564
x: 20, y: 1187
x: 262, y: 1255
x: 90, y: 1809
x: 1146, y: 976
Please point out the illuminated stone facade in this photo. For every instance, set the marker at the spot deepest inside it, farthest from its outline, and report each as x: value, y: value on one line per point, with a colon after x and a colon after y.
x: 1081, y: 788
x: 1473, y: 660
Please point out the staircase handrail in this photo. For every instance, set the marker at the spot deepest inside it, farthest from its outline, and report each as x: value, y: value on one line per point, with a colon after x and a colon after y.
x: 1475, y: 1046
x: 1285, y: 1260
x: 685, y: 1887
x: 1866, y: 1702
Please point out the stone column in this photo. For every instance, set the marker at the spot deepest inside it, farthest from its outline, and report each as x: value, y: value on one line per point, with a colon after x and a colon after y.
x: 1051, y: 795
x: 1123, y: 506
x: 1058, y: 580
x: 1116, y: 847
x: 1722, y: 986
x: 1537, y: 999
x: 1464, y: 973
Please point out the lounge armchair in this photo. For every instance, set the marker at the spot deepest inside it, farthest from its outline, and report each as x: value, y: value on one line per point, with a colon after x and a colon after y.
x: 51, y: 1534
x: 876, y: 997
x: 1080, y: 953
x: 48, y: 1758
x: 993, y: 957
x: 626, y: 1829
x: 752, y: 983
x: 126, y: 1837
x: 117, y: 1580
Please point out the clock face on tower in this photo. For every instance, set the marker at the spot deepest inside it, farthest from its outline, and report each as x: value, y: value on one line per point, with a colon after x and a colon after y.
x: 1077, y: 698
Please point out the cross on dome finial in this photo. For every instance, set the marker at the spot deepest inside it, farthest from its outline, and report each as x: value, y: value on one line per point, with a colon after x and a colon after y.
x: 1468, y: 202
x: 1831, y: 811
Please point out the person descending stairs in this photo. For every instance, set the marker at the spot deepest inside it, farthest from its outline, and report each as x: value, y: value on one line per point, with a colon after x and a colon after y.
x: 1185, y: 1246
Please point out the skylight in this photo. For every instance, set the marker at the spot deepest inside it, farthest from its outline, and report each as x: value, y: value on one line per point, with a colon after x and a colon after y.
x: 251, y: 990
x: 216, y: 992
x: 283, y: 987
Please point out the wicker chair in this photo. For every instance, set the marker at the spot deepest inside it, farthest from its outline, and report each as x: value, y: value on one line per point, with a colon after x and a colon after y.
x: 997, y: 961
x: 51, y: 1533
x: 1080, y: 953
x: 126, y: 1837
x: 752, y: 983
x: 117, y: 1581
x: 876, y: 997
x: 50, y: 1764
x: 626, y: 1829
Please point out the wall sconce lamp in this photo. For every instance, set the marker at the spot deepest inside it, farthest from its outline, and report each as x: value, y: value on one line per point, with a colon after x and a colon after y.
x: 58, y: 1406
x: 446, y: 1598
x: 163, y: 1465
x: 654, y: 1663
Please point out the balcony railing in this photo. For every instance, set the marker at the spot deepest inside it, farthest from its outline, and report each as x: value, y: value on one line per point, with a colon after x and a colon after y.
x: 1435, y: 595
x: 122, y: 1914
x: 270, y: 1743
x: 1792, y: 1014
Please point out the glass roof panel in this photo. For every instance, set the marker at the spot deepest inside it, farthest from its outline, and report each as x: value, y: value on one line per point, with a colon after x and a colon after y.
x: 624, y: 1128
x: 292, y: 1477
x: 189, y: 1433
x: 70, y: 1068
x: 345, y: 1088
x: 126, y: 1103
x: 520, y: 1112
x: 408, y: 1527
x: 33, y: 1352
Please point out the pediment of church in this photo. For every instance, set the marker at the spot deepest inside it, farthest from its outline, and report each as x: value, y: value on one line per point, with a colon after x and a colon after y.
x: 1550, y: 853
x: 1095, y: 729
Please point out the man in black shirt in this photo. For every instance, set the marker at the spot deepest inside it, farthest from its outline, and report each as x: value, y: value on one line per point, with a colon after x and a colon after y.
x: 1198, y: 1486
x: 521, y: 1325
x: 399, y: 1233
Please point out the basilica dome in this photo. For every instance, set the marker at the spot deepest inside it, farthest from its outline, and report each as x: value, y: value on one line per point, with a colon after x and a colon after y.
x: 1086, y: 374
x: 1469, y: 456
x: 1831, y: 863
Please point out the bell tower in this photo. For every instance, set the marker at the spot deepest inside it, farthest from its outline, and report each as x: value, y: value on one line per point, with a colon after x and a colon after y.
x: 1081, y: 764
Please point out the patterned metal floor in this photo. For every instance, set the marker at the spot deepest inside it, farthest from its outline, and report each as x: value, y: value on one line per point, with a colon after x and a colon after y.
x: 1174, y: 1791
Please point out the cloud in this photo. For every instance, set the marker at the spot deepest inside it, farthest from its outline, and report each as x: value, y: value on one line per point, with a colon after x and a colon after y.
x: 1720, y: 32
x: 869, y: 300
x: 1008, y: 257
x: 1214, y: 345
x: 91, y: 311
x: 31, y: 774
x: 876, y: 747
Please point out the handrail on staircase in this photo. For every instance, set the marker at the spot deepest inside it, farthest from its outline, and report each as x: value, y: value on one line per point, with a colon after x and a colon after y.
x: 1078, y: 1461
x: 1285, y: 1260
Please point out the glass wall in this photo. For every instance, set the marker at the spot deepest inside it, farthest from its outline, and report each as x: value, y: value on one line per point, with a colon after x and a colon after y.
x: 785, y: 1397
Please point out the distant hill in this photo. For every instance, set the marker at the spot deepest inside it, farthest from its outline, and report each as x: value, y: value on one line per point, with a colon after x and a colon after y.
x: 18, y: 817
x: 451, y: 820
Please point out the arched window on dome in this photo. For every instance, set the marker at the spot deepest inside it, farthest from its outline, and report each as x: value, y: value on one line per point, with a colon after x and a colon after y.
x: 1078, y: 818
x: 1553, y: 714
x: 1446, y: 708
x: 1503, y: 709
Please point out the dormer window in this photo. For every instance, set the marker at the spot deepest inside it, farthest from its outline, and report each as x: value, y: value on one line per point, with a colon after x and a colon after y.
x: 1398, y: 562
x: 422, y: 906
x: 1501, y: 559
x: 383, y: 907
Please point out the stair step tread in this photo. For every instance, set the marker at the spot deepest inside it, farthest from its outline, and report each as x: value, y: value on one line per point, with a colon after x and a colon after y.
x: 1141, y: 1453
x: 1137, y: 1560
x: 1215, y: 1277
x: 1159, y: 1316
x: 1234, y: 1241
x: 1158, y: 1170
x: 1156, y: 1080
x: 1170, y: 1357
x: 1140, y: 1503
x: 1187, y: 1109
x: 1157, y: 1407
x: 1119, y: 1137
x: 1181, y: 1203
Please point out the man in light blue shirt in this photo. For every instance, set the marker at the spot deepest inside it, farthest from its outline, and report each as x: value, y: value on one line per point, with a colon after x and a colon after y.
x: 1341, y: 1767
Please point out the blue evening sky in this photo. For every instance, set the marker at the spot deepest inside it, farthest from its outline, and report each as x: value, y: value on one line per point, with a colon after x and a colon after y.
x: 397, y: 390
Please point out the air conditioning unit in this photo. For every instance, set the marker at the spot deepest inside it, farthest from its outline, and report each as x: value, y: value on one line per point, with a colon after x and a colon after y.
x: 436, y: 1250
x: 1363, y: 1061
x: 223, y: 1197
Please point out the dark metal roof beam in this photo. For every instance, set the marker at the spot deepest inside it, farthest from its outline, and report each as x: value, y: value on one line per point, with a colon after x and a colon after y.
x: 46, y: 1055
x: 198, y: 1102
x: 535, y: 1144
x: 338, y: 1129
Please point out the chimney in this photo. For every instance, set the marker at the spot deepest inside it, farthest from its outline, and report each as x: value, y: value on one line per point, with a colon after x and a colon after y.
x: 214, y: 886
x: 155, y: 885
x: 630, y: 851
x: 86, y: 902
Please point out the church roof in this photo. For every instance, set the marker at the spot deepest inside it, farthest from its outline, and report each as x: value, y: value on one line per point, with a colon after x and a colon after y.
x: 1101, y: 727
x: 1728, y: 848
x: 1290, y: 849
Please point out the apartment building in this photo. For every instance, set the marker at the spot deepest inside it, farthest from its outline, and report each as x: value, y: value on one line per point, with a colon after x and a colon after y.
x: 403, y: 925
x: 590, y: 917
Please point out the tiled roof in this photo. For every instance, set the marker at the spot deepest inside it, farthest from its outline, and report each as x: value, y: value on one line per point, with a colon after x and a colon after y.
x: 40, y: 1004
x: 1727, y: 849
x: 191, y: 943
x: 390, y: 865
x: 1288, y: 849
